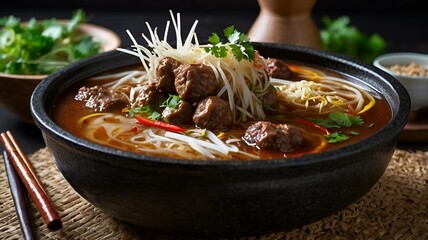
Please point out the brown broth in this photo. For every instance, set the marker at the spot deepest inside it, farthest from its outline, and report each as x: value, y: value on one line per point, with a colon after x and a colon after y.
x: 66, y: 112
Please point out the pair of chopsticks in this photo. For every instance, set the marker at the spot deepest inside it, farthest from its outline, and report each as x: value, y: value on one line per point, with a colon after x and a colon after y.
x: 21, y: 173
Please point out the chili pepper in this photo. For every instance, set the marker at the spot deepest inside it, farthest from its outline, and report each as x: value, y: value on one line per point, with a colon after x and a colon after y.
x: 160, y: 124
x: 351, y: 109
x: 134, y: 129
x: 312, y: 125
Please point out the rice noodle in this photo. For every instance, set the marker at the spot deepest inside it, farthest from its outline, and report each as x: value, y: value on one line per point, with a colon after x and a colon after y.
x: 146, y: 140
x: 327, y: 94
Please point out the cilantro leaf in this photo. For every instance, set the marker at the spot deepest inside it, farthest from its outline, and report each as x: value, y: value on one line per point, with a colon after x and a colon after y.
x: 147, y: 111
x: 346, y: 120
x: 354, y: 133
x: 172, y: 101
x: 249, y: 51
x: 140, y: 111
x: 85, y: 47
x: 336, y: 137
x: 356, y: 120
x: 55, y: 32
x: 238, y: 44
x: 214, y: 39
x: 79, y: 16
x: 243, y: 38
x: 10, y: 22
x: 155, y: 116
x: 236, y: 50
x: 327, y: 123
x: 337, y: 120
x: 229, y: 31
x: 340, y: 119
x: 217, y: 51
x: 231, y: 34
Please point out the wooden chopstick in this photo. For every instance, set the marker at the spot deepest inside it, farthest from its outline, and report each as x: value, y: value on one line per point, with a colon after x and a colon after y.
x: 31, y: 182
x: 19, y: 198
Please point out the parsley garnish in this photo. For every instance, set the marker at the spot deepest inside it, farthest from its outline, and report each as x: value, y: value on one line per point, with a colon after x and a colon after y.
x: 327, y: 123
x: 148, y: 111
x: 339, y: 120
x: 336, y: 137
x: 346, y: 120
x: 140, y: 110
x: 155, y: 116
x: 42, y: 47
x: 239, y: 45
x: 172, y: 101
x: 354, y: 133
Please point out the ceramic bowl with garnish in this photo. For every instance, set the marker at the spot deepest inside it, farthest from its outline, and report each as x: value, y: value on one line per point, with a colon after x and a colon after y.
x: 16, y: 87
x: 411, y: 69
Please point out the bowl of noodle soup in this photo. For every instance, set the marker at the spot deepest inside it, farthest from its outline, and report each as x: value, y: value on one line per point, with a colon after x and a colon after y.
x: 298, y: 134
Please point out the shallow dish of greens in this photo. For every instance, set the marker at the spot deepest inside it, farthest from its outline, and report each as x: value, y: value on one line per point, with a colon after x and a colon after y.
x: 31, y: 50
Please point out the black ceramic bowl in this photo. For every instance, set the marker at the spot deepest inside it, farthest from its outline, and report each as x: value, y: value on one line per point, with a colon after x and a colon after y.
x: 221, y: 198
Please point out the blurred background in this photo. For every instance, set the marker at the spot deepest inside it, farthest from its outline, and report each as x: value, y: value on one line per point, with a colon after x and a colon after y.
x: 402, y: 23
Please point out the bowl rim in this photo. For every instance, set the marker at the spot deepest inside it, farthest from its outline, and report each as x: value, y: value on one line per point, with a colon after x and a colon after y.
x: 23, y: 76
x: 378, y: 62
x: 389, y: 131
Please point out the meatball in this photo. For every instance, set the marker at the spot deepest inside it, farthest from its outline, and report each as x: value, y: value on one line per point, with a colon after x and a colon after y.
x: 165, y: 75
x: 102, y: 98
x: 213, y: 113
x: 149, y: 96
x: 278, y: 69
x: 266, y: 135
x: 194, y: 82
x: 268, y: 98
x: 182, y: 114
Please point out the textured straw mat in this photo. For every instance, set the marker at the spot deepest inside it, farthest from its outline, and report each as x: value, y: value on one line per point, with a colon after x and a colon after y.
x: 396, y: 208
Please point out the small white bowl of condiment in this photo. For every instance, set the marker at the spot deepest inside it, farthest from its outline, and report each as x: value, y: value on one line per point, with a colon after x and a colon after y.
x: 411, y: 69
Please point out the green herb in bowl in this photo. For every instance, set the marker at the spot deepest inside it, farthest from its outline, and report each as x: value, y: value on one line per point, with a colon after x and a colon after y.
x: 29, y: 51
x: 42, y: 47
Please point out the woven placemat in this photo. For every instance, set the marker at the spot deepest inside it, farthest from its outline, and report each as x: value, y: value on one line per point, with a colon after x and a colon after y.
x: 396, y: 208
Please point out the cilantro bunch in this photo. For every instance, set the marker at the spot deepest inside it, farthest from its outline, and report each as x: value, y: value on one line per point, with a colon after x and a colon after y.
x: 172, y: 103
x: 42, y: 47
x: 239, y: 45
x: 338, y: 35
x: 339, y: 120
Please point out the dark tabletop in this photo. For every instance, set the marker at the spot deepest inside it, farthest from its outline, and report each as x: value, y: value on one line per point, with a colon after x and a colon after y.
x: 403, y: 27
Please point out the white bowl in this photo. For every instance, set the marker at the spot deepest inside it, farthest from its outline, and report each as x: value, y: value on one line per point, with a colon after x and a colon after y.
x: 416, y: 86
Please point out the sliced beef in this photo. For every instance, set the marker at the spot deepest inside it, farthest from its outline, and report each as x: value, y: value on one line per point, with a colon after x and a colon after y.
x: 165, y: 75
x: 194, y: 82
x: 149, y: 96
x: 268, y: 98
x: 101, y: 98
x: 180, y: 115
x: 280, y: 137
x: 213, y: 113
x: 278, y: 69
